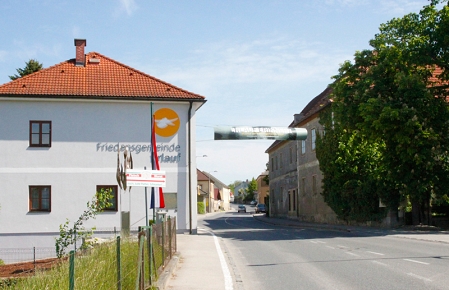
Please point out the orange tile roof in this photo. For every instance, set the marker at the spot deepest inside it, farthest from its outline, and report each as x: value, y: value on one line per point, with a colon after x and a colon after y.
x: 101, y: 77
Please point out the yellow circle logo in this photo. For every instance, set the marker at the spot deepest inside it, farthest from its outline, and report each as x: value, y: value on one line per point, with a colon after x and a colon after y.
x: 167, y: 122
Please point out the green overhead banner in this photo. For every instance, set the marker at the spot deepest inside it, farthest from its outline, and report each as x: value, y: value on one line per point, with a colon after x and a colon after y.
x: 259, y: 132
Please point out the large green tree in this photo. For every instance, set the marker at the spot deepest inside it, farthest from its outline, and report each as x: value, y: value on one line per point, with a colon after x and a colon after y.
x: 394, y: 95
x: 31, y: 66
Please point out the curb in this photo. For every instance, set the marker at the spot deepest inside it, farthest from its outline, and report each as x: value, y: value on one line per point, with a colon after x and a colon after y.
x: 167, y: 273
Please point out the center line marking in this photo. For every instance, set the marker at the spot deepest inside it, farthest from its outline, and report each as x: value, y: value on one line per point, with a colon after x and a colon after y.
x: 352, y: 254
x: 419, y: 277
x: 419, y: 262
x: 375, y: 253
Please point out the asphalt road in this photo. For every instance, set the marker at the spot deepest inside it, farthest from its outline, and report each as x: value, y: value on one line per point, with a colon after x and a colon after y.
x: 262, y: 256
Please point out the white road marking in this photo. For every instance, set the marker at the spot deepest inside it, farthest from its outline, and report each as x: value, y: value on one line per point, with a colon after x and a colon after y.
x: 224, y: 265
x: 340, y: 246
x: 380, y: 263
x: 419, y: 262
x: 352, y: 254
x: 419, y: 277
x: 375, y: 253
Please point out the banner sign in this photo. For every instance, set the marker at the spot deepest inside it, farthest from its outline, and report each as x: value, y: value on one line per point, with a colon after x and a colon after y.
x: 259, y: 132
x: 147, y: 178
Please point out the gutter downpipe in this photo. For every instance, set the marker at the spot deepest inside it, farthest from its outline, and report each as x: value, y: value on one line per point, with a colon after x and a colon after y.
x: 190, y: 165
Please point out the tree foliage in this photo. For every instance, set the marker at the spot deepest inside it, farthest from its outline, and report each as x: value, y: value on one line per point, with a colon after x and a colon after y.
x: 69, y: 235
x: 30, y: 67
x: 250, y: 190
x: 390, y: 117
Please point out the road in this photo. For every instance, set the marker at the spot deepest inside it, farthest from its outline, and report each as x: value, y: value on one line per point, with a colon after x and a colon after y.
x: 263, y: 256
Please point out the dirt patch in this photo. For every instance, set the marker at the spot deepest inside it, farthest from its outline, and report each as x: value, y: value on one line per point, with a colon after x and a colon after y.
x: 26, y: 268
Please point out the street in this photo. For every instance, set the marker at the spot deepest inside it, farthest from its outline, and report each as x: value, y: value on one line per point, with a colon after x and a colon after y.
x: 264, y: 256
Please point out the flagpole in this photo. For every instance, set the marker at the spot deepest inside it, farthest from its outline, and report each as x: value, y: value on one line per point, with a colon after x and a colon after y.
x: 152, y: 189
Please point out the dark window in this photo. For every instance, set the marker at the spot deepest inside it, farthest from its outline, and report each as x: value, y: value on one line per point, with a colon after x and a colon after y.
x: 40, y: 198
x: 40, y: 133
x: 114, y: 197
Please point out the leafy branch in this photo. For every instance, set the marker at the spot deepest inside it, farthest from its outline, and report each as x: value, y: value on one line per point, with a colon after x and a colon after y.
x: 70, y: 235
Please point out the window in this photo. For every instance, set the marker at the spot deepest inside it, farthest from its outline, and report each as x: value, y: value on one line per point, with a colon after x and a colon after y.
x: 303, y: 147
x: 40, y: 133
x: 40, y: 198
x: 114, y: 197
x: 294, y: 200
x: 281, y: 163
x: 276, y: 158
x: 290, y: 202
x: 313, y: 138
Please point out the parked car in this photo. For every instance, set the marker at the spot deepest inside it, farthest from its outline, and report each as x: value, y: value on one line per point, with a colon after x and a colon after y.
x: 253, y: 202
x: 260, y: 208
x: 241, y: 208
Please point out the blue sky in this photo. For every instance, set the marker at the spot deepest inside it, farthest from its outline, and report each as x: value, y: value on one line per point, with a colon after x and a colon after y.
x: 257, y: 62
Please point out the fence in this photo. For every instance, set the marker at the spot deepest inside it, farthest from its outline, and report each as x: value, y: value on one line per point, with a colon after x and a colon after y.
x: 18, y: 255
x: 132, y: 262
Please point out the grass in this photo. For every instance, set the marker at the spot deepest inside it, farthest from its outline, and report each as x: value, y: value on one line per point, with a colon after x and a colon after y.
x: 96, y: 269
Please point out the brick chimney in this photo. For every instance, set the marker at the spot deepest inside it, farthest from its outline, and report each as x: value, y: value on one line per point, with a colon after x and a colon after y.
x: 80, y: 56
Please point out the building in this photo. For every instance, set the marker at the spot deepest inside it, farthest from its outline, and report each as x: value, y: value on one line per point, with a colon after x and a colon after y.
x: 240, y: 191
x: 220, y: 194
x: 294, y: 175
x: 64, y: 127
x: 263, y: 189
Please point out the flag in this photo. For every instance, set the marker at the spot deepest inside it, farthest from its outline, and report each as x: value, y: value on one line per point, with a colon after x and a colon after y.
x: 157, y: 196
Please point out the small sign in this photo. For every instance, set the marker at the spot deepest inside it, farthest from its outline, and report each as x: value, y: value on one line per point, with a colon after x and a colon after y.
x: 147, y: 178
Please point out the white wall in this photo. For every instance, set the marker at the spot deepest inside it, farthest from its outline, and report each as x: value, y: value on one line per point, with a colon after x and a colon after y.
x: 77, y: 161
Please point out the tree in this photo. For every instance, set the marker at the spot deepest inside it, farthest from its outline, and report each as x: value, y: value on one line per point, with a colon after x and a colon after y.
x: 30, y: 67
x: 234, y: 184
x: 250, y: 190
x: 70, y: 235
x: 349, y: 163
x: 393, y: 97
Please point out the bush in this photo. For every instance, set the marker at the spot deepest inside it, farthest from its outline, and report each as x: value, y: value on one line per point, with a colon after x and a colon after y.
x: 201, y: 208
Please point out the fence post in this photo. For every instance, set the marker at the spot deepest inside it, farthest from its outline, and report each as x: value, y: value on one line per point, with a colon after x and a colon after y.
x: 151, y: 254
x: 119, y: 265
x: 72, y: 270
x: 140, y: 273
x: 163, y: 243
x: 169, y: 236
x: 34, y: 260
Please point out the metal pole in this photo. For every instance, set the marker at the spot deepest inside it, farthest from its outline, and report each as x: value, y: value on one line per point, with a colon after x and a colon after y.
x: 72, y: 270
x: 146, y: 204
x: 119, y: 266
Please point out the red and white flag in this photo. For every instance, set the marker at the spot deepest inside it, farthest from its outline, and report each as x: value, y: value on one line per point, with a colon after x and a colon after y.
x: 157, y: 196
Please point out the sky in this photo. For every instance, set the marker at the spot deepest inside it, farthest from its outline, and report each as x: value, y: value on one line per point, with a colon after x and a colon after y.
x: 257, y: 62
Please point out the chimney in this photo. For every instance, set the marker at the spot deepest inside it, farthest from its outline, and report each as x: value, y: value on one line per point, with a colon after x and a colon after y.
x: 80, y: 56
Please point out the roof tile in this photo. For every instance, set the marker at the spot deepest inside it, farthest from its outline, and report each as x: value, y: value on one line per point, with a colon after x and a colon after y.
x: 100, y: 77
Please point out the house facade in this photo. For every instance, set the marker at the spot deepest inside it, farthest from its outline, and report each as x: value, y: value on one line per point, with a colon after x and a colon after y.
x: 263, y: 189
x: 295, y: 179
x: 68, y: 125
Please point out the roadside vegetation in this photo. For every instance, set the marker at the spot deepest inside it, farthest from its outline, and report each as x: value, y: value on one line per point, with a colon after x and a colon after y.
x: 387, y: 130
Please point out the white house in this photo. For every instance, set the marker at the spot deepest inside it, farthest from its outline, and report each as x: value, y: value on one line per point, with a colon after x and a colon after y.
x: 61, y: 131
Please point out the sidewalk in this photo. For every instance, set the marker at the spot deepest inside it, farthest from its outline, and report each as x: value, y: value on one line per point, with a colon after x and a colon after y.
x: 198, y: 265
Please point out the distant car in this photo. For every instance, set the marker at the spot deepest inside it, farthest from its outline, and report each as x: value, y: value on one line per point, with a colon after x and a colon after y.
x: 241, y: 208
x: 253, y: 202
x: 260, y: 208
